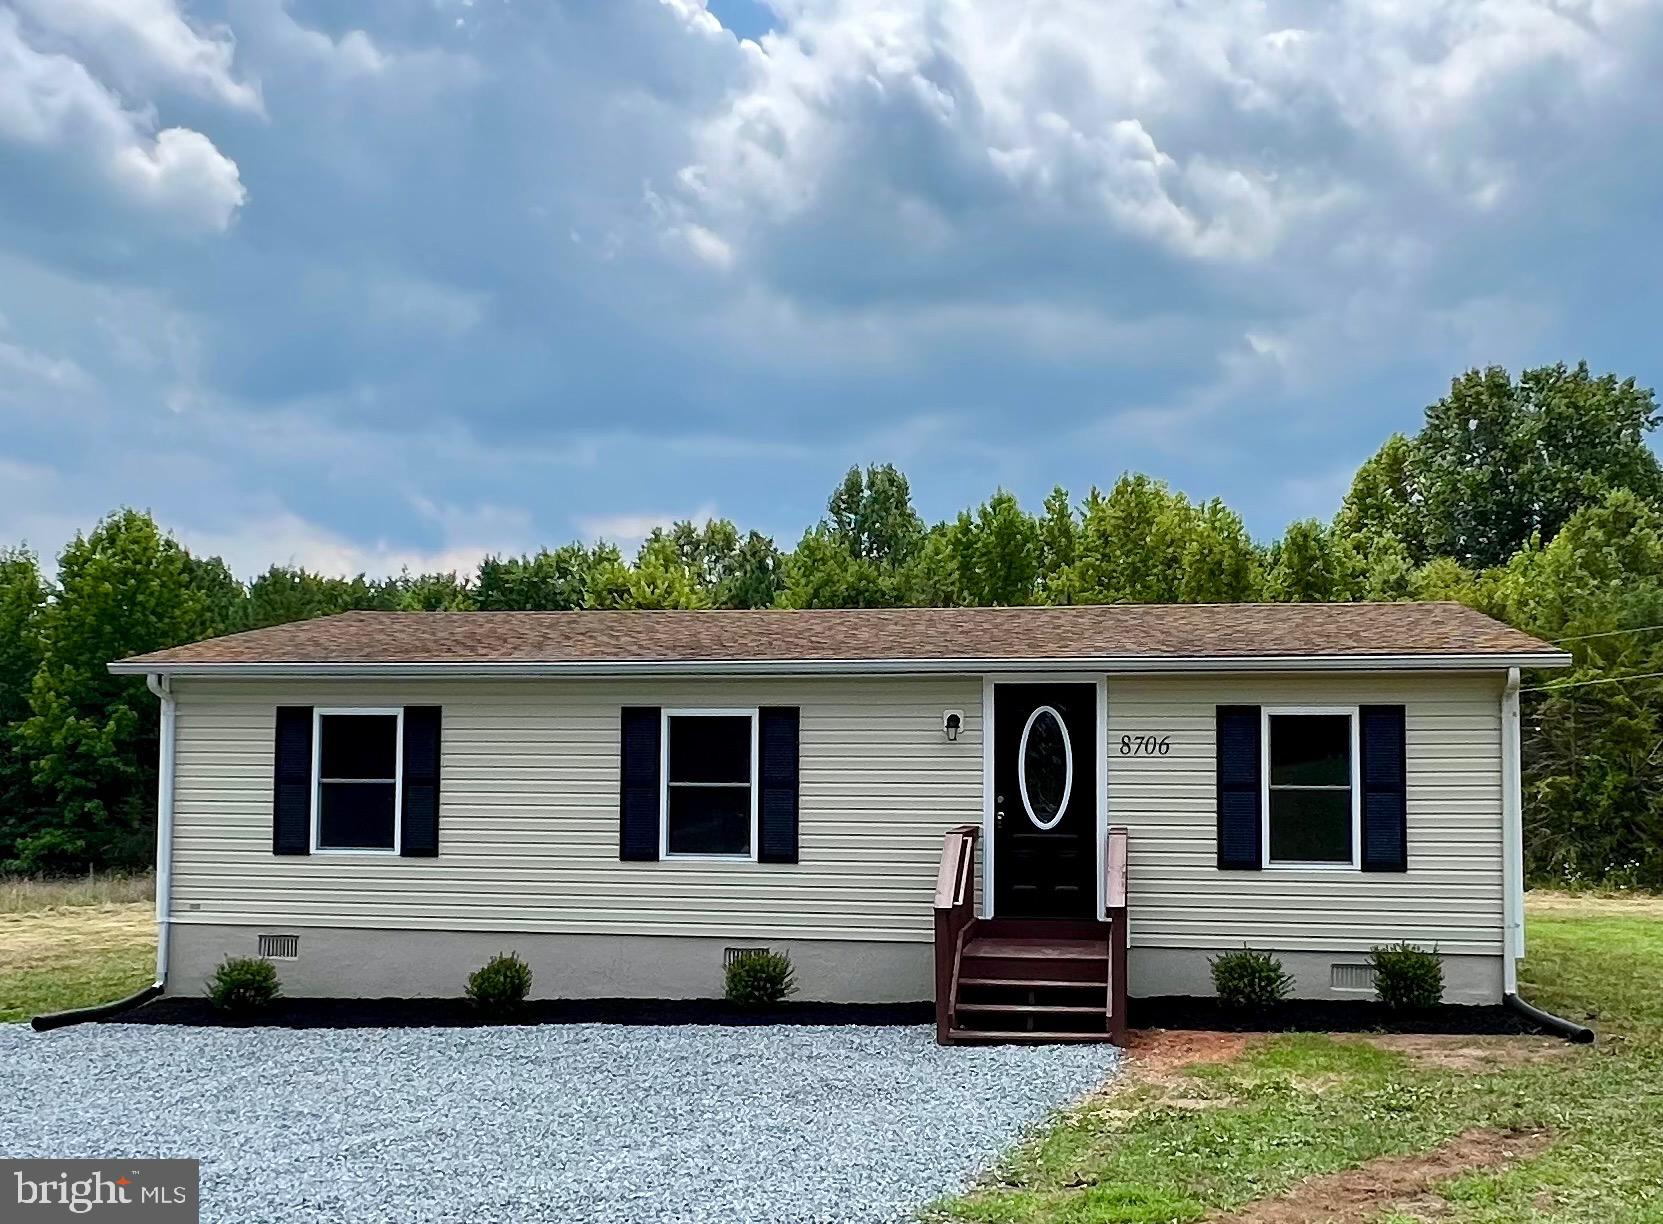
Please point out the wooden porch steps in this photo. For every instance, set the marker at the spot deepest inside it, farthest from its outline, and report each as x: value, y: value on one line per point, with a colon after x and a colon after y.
x: 1019, y: 1036
x: 1027, y: 980
x: 1036, y: 947
x: 1025, y: 983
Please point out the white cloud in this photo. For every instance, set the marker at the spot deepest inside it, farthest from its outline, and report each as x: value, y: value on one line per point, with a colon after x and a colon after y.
x: 183, y: 175
x: 143, y: 44
x: 707, y: 246
x: 1209, y: 133
x: 251, y: 546
x: 50, y: 100
x: 631, y: 527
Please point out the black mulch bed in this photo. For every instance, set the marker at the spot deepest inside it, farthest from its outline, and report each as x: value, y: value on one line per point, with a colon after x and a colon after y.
x: 460, y: 1013
x: 1327, y: 1016
x: 1171, y: 1012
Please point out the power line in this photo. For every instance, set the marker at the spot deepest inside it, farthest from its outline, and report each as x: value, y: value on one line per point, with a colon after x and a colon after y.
x: 1583, y: 637
x: 1565, y: 684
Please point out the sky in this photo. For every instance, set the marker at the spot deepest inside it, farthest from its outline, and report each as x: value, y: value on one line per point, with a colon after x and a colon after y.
x: 405, y: 282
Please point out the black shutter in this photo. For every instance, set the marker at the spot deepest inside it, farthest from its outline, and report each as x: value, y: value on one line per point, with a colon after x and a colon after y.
x: 777, y: 805
x: 640, y: 731
x: 419, y: 834
x: 1384, y: 770
x: 1239, y: 823
x: 291, y: 809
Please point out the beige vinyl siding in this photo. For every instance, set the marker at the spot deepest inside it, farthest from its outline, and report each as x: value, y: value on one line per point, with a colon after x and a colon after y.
x: 1452, y: 893
x: 529, y: 813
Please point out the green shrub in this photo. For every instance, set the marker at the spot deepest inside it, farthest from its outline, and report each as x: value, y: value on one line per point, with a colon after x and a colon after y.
x: 1407, y: 978
x: 501, y: 984
x: 760, y: 979
x: 1249, y: 980
x: 243, y: 985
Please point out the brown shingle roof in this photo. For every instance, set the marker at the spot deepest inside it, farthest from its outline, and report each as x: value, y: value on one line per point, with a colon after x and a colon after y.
x: 1124, y: 633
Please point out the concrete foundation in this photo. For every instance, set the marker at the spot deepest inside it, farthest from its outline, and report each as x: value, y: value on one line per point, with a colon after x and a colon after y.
x: 1186, y: 971
x: 349, y: 963
x: 337, y: 962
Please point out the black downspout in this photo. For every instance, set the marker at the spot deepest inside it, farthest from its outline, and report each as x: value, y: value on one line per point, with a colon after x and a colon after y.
x: 103, y: 1011
x: 1567, y: 1029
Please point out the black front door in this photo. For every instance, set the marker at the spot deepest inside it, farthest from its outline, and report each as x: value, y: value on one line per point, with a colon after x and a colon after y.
x: 1044, y: 800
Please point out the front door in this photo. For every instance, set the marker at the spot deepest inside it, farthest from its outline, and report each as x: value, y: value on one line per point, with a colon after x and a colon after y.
x: 1044, y: 800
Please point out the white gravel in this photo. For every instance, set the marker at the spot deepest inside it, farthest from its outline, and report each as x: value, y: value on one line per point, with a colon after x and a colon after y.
x: 557, y: 1123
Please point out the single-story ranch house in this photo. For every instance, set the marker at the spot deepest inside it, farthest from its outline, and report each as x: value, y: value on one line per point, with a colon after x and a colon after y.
x: 1024, y: 813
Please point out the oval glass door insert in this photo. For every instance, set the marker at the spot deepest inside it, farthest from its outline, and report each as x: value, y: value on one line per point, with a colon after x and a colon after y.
x: 1045, y: 767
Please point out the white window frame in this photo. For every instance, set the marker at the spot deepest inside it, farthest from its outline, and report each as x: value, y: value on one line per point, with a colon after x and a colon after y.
x: 750, y: 712
x: 318, y: 715
x: 1266, y: 713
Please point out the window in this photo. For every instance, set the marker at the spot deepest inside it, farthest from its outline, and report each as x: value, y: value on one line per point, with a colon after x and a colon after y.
x: 1311, y: 789
x: 357, y: 758
x: 709, y: 783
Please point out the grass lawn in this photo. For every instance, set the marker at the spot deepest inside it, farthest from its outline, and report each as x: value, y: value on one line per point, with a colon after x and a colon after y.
x: 72, y: 943
x: 1452, y: 1129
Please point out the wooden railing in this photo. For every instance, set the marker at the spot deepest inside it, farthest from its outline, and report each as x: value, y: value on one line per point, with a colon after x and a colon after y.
x: 1114, y: 910
x: 955, y: 903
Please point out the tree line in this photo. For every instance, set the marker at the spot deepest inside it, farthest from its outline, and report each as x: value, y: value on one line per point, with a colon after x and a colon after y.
x: 1536, y: 499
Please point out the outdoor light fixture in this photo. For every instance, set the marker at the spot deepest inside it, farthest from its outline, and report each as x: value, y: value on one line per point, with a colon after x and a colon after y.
x: 952, y: 722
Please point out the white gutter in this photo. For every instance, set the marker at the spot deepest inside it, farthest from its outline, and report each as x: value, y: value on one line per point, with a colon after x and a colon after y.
x: 1117, y: 665
x: 1512, y: 836
x: 159, y: 685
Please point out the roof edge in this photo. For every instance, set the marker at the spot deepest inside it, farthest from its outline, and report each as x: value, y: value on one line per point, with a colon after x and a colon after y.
x: 600, y: 668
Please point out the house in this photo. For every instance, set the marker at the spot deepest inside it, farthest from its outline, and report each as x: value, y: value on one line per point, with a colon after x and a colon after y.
x: 1009, y: 809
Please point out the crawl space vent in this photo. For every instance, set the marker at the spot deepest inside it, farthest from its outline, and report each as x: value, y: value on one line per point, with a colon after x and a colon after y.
x: 1352, y: 977
x: 729, y: 955
x: 280, y: 947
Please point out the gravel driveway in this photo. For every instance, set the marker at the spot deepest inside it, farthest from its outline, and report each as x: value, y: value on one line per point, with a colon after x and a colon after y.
x: 558, y: 1123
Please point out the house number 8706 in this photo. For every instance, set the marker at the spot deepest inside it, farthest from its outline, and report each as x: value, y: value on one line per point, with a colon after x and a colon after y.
x: 1145, y: 745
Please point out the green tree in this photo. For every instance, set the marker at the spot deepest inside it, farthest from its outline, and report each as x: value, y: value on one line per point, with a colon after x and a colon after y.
x: 288, y: 593
x: 1594, y: 773
x: 1377, y: 565
x: 22, y: 612
x: 124, y: 589
x: 547, y: 582
x: 734, y: 571
x: 224, y: 599
x: 1059, y: 547
x: 1218, y: 562
x: 997, y: 551
x: 1384, y: 500
x: 1304, y: 566
x: 1499, y: 461
x: 432, y: 593
x: 1130, y: 547
x: 1144, y: 543
x: 754, y: 575
x: 859, y: 555
x: 1446, y: 579
x: 660, y: 578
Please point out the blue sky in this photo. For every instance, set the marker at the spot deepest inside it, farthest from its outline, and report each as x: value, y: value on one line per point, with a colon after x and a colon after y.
x: 401, y: 283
